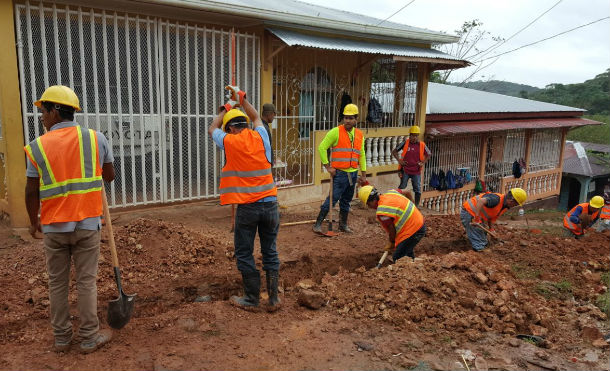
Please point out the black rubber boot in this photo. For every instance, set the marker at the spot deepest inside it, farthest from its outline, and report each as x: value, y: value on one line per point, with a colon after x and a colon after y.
x: 252, y: 286
x: 273, y: 278
x: 318, y: 226
x: 343, y: 222
x: 417, y: 198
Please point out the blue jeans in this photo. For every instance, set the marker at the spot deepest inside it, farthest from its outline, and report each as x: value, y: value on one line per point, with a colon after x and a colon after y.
x: 406, y: 247
x: 415, y: 181
x: 477, y: 237
x: 265, y: 217
x: 343, y: 191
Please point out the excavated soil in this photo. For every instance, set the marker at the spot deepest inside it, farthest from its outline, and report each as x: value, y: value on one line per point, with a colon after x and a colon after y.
x: 449, y: 307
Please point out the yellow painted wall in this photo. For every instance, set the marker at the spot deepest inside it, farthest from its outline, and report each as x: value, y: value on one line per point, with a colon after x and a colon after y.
x: 12, y: 140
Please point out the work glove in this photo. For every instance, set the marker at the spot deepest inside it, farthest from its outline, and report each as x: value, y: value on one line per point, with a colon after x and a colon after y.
x: 236, y: 94
x: 229, y: 105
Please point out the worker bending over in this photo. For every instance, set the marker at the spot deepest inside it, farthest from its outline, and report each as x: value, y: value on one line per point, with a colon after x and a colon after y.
x: 398, y: 216
x: 604, y: 216
x: 582, y: 217
x: 346, y: 143
x: 246, y: 181
x: 487, y: 207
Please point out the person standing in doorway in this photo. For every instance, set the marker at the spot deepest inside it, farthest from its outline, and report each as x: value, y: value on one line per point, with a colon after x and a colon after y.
x: 65, y: 169
x: 346, y: 144
x: 246, y: 181
x: 415, y: 153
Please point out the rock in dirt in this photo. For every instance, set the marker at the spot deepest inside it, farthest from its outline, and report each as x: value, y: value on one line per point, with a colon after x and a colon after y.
x: 305, y: 284
x: 311, y: 299
x: 600, y: 343
x: 363, y: 345
x: 203, y: 299
x: 591, y: 333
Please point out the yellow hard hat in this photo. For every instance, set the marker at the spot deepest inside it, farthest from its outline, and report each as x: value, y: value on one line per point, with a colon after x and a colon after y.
x: 350, y: 110
x: 59, y: 94
x: 414, y: 130
x: 231, y: 115
x: 364, y: 193
x: 597, y: 202
x: 519, y: 195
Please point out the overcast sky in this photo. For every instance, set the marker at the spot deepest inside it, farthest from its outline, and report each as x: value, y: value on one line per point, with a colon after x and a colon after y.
x: 570, y: 58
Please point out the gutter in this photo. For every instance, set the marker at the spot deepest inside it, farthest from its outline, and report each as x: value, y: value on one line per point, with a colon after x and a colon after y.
x: 303, y: 20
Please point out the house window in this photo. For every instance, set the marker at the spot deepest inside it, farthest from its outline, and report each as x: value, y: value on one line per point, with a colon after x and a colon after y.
x: 317, y: 103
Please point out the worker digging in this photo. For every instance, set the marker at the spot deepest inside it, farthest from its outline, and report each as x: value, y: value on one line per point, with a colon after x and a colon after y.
x: 582, y: 217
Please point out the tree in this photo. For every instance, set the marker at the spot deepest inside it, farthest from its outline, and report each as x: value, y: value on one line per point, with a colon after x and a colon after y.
x: 469, y: 48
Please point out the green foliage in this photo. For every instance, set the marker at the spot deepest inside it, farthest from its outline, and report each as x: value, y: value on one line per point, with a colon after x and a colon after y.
x: 592, y: 133
x: 560, y: 290
x: 525, y: 273
x: 603, y: 301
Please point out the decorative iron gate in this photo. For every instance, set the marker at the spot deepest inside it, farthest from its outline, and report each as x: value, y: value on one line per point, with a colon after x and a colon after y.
x: 152, y: 86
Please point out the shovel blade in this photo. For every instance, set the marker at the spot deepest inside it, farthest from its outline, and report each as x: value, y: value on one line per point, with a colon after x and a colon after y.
x: 120, y: 310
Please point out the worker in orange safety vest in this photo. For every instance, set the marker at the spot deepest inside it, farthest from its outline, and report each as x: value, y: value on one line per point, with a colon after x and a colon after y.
x: 582, y: 216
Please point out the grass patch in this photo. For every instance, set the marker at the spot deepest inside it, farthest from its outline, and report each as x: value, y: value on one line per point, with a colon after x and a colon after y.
x: 525, y: 273
x: 603, y: 301
x: 560, y: 290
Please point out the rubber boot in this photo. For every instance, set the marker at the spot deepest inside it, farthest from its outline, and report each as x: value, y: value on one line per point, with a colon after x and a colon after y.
x: 417, y: 198
x: 318, y: 226
x: 273, y: 278
x: 252, y: 286
x: 343, y: 222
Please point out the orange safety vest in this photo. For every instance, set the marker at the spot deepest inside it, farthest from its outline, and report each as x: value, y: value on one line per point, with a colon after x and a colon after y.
x: 70, y: 174
x: 605, y: 214
x: 487, y: 213
x: 346, y: 153
x: 246, y: 176
x: 577, y: 228
x: 407, y: 219
x: 422, y: 151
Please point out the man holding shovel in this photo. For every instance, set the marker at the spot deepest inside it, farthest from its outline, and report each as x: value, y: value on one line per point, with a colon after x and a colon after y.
x: 64, y: 182
x: 582, y: 217
x: 346, y: 144
x: 487, y: 207
x: 246, y: 181
x: 399, y: 217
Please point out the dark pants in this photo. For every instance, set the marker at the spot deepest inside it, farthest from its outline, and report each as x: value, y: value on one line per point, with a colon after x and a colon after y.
x: 406, y: 247
x: 415, y: 181
x: 263, y: 216
x: 343, y: 191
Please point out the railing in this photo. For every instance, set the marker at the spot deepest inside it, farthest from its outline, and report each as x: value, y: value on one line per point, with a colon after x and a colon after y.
x: 447, y: 202
x: 538, y: 185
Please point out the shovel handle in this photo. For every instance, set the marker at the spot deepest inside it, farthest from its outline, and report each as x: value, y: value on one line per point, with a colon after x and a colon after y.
x: 486, y: 230
x: 385, y: 255
x: 330, y: 199
x: 115, y: 258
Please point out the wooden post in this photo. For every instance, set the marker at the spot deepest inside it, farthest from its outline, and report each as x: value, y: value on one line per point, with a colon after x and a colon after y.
x: 422, y: 97
x: 483, y: 157
x: 528, y: 149
x: 399, y: 92
x: 564, y: 133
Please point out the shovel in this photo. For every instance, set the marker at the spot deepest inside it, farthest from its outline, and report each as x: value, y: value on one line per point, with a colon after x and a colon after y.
x: 489, y: 232
x: 385, y: 255
x: 121, y: 308
x: 330, y: 232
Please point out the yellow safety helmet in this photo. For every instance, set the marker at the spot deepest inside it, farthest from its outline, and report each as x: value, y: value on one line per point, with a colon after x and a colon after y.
x: 350, y: 110
x: 231, y: 115
x: 519, y: 195
x: 597, y: 202
x: 414, y: 130
x: 59, y: 94
x: 364, y: 193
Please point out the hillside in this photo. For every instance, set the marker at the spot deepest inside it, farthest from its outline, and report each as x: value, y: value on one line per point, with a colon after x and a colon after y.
x: 501, y: 87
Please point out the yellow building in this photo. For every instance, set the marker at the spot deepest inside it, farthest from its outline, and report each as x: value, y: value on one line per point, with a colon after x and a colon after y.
x: 150, y: 75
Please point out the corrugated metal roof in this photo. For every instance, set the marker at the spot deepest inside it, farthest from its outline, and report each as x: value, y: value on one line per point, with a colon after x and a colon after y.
x: 577, y: 161
x: 605, y: 148
x: 449, y: 99
x: 292, y: 38
x: 461, y: 127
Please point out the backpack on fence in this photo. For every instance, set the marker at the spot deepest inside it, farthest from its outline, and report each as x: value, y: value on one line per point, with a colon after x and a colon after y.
x: 516, y: 169
x: 434, y: 183
x: 478, y: 187
x: 466, y: 177
x: 374, y: 111
x: 442, y: 181
x: 460, y: 180
x: 450, y: 179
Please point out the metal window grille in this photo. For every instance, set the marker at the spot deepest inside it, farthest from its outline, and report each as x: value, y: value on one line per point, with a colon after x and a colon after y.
x: 514, y: 150
x: 546, y: 147
x: 151, y: 85
x: 454, y: 153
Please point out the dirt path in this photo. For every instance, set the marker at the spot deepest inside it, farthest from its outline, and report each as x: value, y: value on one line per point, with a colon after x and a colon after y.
x: 424, y: 314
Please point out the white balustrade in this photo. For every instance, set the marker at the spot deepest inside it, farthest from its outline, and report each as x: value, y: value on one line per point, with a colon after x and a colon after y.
x: 388, y: 150
x: 375, y: 159
x: 393, y: 145
x: 369, y: 154
x: 381, y: 152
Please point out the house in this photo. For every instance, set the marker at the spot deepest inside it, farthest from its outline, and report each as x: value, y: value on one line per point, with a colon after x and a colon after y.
x: 150, y: 75
x: 586, y: 173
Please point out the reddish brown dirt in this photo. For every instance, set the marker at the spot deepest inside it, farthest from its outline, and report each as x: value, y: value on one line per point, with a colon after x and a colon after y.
x: 424, y: 314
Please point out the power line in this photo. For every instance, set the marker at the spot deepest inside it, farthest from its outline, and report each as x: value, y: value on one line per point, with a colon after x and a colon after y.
x: 497, y: 45
x: 539, y: 41
x: 396, y: 12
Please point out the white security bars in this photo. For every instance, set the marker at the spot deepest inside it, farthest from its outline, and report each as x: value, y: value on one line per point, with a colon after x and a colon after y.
x: 152, y: 86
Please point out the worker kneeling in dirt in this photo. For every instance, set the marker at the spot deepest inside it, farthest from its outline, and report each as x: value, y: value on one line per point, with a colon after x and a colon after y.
x: 487, y: 207
x: 582, y: 217
x: 604, y: 216
x: 398, y: 215
x: 246, y: 180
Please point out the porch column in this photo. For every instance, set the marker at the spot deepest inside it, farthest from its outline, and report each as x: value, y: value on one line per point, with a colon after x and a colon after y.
x: 399, y: 92
x: 483, y: 157
x: 423, y: 71
x: 12, y: 198
x: 528, y: 149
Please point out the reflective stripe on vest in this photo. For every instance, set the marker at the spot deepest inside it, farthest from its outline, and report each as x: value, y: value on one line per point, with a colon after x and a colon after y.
x: 88, y: 182
x: 577, y: 228
x: 246, y: 176
x: 487, y: 213
x: 401, y: 215
x: 346, y: 153
x: 605, y: 214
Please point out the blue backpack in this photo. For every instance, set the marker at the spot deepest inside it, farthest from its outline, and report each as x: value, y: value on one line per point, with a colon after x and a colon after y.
x: 450, y: 179
x: 434, y: 182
